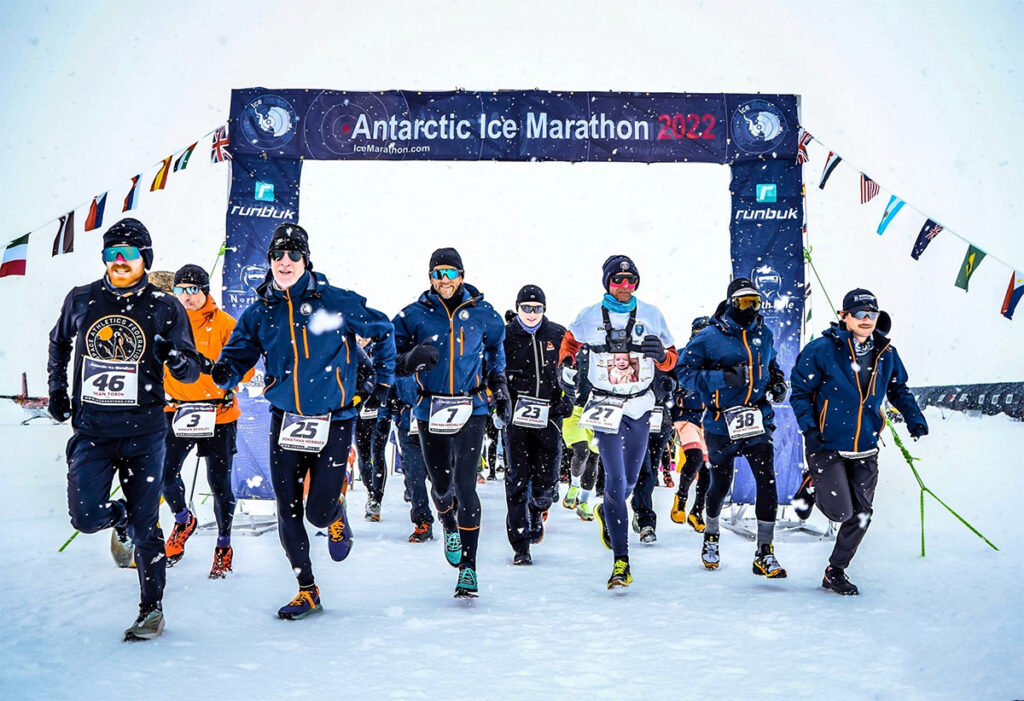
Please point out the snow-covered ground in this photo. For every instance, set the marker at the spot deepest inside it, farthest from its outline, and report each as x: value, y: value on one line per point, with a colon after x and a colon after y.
x: 945, y: 626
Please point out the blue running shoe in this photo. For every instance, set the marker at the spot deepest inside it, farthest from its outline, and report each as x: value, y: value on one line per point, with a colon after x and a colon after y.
x: 467, y: 586
x: 339, y: 536
x: 453, y: 547
x: 305, y: 604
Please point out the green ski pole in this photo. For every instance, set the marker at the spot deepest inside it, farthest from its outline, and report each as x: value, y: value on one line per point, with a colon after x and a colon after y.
x: 75, y: 534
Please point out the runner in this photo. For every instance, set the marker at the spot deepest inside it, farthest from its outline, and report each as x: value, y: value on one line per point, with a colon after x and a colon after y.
x: 201, y: 415
x: 371, y: 441
x: 619, y: 412
x: 123, y: 331
x: 731, y: 366
x: 645, y: 520
x: 404, y: 395
x: 533, y: 439
x: 305, y: 331
x: 687, y: 418
x: 839, y: 383
x: 450, y: 340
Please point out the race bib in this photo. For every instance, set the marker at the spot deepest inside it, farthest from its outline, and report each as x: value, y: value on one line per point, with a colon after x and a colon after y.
x: 195, y: 421
x: 367, y: 413
x: 602, y: 413
x: 414, y: 427
x: 531, y: 412
x: 449, y: 414
x: 307, y: 434
x: 744, y: 422
x: 110, y: 382
x: 657, y: 415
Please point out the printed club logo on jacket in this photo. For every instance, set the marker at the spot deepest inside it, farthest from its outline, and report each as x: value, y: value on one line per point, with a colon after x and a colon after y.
x: 115, y: 337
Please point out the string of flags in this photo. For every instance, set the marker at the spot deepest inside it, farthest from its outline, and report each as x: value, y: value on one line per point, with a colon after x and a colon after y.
x: 869, y: 189
x: 15, y: 255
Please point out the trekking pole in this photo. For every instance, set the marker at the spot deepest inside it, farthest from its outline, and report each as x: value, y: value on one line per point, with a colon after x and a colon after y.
x: 903, y: 449
x: 191, y: 504
x: 75, y: 534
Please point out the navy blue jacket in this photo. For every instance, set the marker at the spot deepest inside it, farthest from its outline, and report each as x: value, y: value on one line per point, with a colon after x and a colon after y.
x: 723, y: 344
x: 306, y: 336
x: 828, y: 395
x: 687, y: 406
x: 120, y: 325
x: 469, y: 343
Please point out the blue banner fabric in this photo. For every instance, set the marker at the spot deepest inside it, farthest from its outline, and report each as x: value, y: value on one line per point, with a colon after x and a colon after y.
x: 767, y: 247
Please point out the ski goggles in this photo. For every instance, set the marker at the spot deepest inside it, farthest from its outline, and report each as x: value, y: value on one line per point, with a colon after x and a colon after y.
x: 864, y: 314
x: 442, y: 273
x: 293, y: 256
x: 531, y: 308
x: 126, y: 252
x: 746, y: 302
x: 624, y: 279
x: 186, y: 289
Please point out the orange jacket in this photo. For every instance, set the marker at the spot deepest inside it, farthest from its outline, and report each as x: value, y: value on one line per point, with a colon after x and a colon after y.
x: 211, y: 329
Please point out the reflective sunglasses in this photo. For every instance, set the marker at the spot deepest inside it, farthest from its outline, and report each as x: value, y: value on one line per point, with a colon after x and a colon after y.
x: 450, y: 273
x: 747, y: 302
x: 186, y: 290
x: 126, y: 252
x: 864, y: 314
x: 620, y: 278
x: 294, y: 256
x: 531, y: 308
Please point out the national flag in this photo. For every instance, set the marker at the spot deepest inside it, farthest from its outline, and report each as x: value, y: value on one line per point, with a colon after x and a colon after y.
x: 160, y: 181
x: 972, y: 259
x: 891, y: 210
x: 131, y: 200
x: 868, y: 189
x: 16, y: 256
x: 219, y: 149
x: 929, y: 231
x: 181, y: 162
x: 1013, y: 293
x: 830, y: 165
x: 95, y: 218
x: 64, y: 241
x: 803, y: 200
x: 801, y: 148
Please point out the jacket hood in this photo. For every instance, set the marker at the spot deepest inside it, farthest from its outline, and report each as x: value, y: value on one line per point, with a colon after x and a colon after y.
x: 728, y: 325
x: 310, y: 283
x: 206, y: 311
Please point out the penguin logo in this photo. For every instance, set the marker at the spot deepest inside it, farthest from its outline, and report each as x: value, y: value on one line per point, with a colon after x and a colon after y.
x: 623, y: 265
x: 756, y: 341
x: 306, y: 309
x: 464, y: 314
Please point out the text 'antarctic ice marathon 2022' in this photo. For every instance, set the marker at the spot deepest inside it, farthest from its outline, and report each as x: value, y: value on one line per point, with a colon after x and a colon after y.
x: 273, y: 131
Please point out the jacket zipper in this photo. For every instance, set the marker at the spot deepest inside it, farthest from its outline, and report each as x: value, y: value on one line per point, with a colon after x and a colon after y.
x: 536, y: 360
x: 305, y: 342
x: 451, y: 345
x: 750, y: 365
x: 821, y: 417
x: 856, y: 378
x: 295, y: 350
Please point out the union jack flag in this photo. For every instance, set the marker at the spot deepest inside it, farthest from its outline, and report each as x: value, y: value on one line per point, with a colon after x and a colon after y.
x: 868, y: 189
x: 219, y: 149
x: 801, y: 149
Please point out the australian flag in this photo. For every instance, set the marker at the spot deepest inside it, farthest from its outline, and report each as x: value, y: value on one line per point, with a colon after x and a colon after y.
x: 929, y: 231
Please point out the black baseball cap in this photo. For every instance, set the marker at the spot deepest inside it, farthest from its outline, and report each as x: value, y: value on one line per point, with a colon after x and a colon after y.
x: 860, y: 300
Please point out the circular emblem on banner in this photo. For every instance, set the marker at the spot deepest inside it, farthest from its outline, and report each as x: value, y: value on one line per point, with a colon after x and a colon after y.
x: 115, y: 337
x: 268, y: 121
x: 758, y: 126
x: 464, y: 314
x: 306, y: 309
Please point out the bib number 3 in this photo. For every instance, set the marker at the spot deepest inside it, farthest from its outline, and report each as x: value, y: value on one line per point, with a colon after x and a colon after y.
x: 306, y: 434
x: 195, y: 421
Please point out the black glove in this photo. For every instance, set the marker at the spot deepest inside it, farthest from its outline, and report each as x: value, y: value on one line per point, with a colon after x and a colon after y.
x: 653, y: 348
x: 205, y: 364
x: 502, y: 399
x: 919, y: 431
x: 736, y: 376
x: 813, y: 440
x: 378, y: 396
x: 777, y: 386
x: 166, y: 353
x: 221, y: 374
x: 422, y: 358
x: 663, y: 386
x: 59, y: 406
x: 561, y: 409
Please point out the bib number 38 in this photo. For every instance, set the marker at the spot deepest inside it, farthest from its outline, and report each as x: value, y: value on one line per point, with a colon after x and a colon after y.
x: 744, y: 422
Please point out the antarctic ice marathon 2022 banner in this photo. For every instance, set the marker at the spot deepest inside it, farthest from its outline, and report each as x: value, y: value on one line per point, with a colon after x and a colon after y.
x: 513, y: 125
x: 273, y: 131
